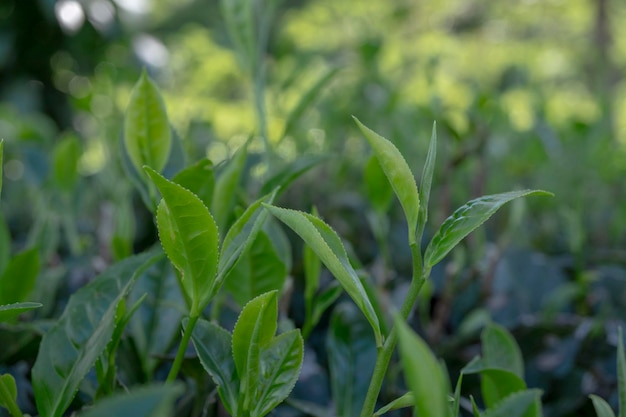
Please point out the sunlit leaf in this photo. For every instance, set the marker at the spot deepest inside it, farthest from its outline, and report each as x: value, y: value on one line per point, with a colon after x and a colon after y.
x: 147, y: 134
x: 70, y: 348
x: 329, y: 248
x: 19, y: 277
x: 467, y: 218
x: 423, y: 373
x: 603, y: 409
x: 189, y: 237
x: 214, y: 347
x: 147, y: 401
x: 199, y: 179
x: 399, y: 175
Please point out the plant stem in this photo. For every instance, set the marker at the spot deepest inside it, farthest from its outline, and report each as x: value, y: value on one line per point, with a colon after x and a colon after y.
x: 420, y: 274
x: 182, y: 348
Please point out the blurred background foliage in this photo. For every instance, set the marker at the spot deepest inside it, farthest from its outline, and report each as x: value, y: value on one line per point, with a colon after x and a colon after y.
x: 526, y: 94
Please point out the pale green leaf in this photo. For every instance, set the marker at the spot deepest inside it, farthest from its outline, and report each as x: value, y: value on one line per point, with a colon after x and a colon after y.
x: 19, y: 277
x: 423, y: 373
x: 147, y: 134
x: 280, y: 367
x: 214, y: 347
x: 407, y: 400
x: 258, y: 271
x: 465, y: 220
x: 329, y: 248
x: 199, y: 179
x: 399, y: 175
x: 226, y: 188
x: 148, y: 401
x: 189, y: 237
x: 70, y: 348
x: 603, y: 409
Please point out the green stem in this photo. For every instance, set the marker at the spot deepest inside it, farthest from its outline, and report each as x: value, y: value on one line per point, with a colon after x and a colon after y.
x: 182, y: 348
x: 420, y: 274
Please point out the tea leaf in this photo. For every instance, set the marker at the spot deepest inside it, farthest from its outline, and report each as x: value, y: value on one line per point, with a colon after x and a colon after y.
x: 603, y: 409
x: 254, y: 330
x: 621, y: 373
x: 280, y: 367
x: 19, y: 278
x: 65, y: 163
x: 351, y: 357
x: 456, y: 408
x: 423, y: 373
x: 150, y: 401
x: 213, y: 345
x: 377, y: 187
x: 189, y: 237
x: 399, y: 175
x: 467, y: 218
x: 11, y: 311
x: 8, y: 394
x: 258, y: 270
x: 324, y: 300
x: 226, y: 187
x: 199, y: 179
x: 5, y: 243
x: 147, y: 134
x: 515, y: 405
x: 407, y: 400
x: 312, y: 269
x: 426, y: 181
x: 497, y: 384
x: 70, y: 348
x: 327, y: 245
x: 500, y: 350
x: 1, y: 163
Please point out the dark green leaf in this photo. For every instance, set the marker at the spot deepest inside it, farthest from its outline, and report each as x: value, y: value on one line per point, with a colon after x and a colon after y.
x: 426, y: 181
x: 1, y: 163
x: 147, y: 134
x: 280, y: 367
x: 189, y: 237
x: 10, y: 311
x: 148, y: 401
x: 603, y: 409
x: 65, y: 163
x: 351, y: 356
x: 258, y: 270
x: 19, y: 278
x: 323, y: 301
x: 226, y: 188
x: 399, y: 175
x: 199, y: 179
x: 407, y: 400
x: 423, y: 373
x: 214, y: 347
x: 467, y: 218
x: 70, y: 348
x: 515, y: 405
x: 497, y: 384
x: 329, y: 248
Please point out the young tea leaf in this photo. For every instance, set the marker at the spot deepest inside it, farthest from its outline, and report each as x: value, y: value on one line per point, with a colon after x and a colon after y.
x: 70, y: 348
x: 19, y: 278
x: 147, y: 401
x: 467, y: 218
x: 426, y: 181
x: 8, y: 394
x: 377, y: 188
x: 423, y: 373
x: 328, y: 247
x: 280, y: 367
x: 603, y: 409
x: 147, y: 134
x: 189, y: 237
x: 213, y: 345
x: 199, y: 179
x: 500, y: 350
x: 399, y: 175
x: 10, y: 311
x: 226, y: 188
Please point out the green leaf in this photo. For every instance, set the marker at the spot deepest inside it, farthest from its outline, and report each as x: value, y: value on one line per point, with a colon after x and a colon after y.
x: 240, y: 236
x: 500, y: 350
x: 399, y: 175
x: 147, y: 401
x: 259, y: 270
x: 328, y: 247
x: 254, y: 330
x: 323, y: 301
x: 351, y: 356
x: 457, y: 396
x: 213, y: 345
x: 467, y: 218
x: 603, y: 409
x: 199, y: 179
x: 291, y: 172
x: 377, y: 187
x: 65, y: 158
x: 10, y: 311
x: 426, y: 181
x: 70, y: 348
x: 19, y: 278
x: 5, y: 244
x: 8, y: 394
x: 423, y: 373
x: 280, y: 367
x: 1, y: 163
x: 147, y: 134
x: 226, y: 188
x: 621, y: 374
x: 407, y: 400
x: 496, y: 383
x: 515, y: 405
x: 312, y: 269
x: 189, y: 237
